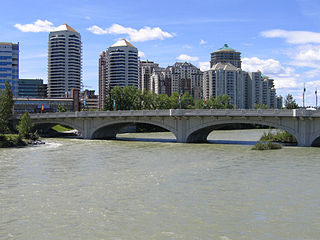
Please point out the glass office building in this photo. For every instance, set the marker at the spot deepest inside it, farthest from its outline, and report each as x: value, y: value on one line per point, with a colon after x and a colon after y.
x: 9, y: 65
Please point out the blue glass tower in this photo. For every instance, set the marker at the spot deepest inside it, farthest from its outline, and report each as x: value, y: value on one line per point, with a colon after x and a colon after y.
x: 9, y: 65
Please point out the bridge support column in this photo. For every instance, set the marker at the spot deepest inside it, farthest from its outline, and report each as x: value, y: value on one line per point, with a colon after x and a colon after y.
x: 181, y: 126
x: 86, y: 123
x: 304, y: 132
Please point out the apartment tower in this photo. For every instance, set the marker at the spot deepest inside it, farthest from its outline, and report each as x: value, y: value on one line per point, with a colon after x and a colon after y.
x: 118, y: 66
x: 226, y: 55
x: 64, y: 61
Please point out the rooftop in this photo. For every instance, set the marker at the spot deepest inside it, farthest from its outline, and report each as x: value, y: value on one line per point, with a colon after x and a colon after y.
x: 226, y: 48
x: 64, y: 27
x: 122, y: 43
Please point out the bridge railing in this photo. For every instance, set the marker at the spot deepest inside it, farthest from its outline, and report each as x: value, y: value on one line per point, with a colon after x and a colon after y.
x: 179, y: 113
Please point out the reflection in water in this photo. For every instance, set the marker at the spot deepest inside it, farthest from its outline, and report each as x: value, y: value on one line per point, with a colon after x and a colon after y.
x: 158, y: 189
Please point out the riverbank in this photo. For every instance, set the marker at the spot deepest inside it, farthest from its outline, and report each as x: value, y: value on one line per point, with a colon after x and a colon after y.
x: 14, y: 140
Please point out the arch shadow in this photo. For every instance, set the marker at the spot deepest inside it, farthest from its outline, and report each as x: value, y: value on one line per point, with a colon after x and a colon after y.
x: 110, y: 130
x: 200, y: 134
x: 44, y: 128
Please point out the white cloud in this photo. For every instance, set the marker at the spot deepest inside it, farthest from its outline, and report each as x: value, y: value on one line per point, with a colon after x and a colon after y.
x: 204, y: 66
x: 295, y: 37
x: 141, y: 35
x: 284, y: 77
x: 186, y: 46
x: 37, y: 26
x: 306, y: 56
x: 202, y: 42
x: 141, y: 54
x: 185, y: 57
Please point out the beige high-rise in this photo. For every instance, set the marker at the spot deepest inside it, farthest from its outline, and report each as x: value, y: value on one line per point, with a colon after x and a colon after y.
x: 64, y: 61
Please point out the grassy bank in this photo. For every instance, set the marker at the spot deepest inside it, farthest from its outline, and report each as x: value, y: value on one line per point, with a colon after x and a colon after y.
x: 59, y: 128
x: 11, y: 140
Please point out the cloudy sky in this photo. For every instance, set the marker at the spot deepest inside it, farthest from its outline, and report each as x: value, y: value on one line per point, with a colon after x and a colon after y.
x: 280, y: 38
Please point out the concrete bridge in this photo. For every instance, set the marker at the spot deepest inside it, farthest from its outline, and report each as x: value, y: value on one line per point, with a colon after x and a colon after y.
x: 188, y: 126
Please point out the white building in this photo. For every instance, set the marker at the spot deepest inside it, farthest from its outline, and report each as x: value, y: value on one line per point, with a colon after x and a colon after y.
x: 145, y: 69
x: 9, y: 66
x: 64, y: 61
x: 225, y: 78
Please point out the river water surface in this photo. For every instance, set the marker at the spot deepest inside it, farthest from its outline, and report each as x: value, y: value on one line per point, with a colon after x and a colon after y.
x: 79, y: 189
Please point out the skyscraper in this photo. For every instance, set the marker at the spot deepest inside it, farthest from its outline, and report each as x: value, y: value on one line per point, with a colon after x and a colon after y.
x: 118, y: 66
x: 64, y: 61
x: 226, y: 55
x: 145, y: 69
x: 9, y: 65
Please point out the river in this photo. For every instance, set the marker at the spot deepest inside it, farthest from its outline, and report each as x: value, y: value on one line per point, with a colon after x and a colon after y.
x: 159, y: 189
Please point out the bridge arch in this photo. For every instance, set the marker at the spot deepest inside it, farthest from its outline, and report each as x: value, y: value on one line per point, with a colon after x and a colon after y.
x: 110, y: 129
x: 45, y: 124
x: 315, y: 139
x: 200, y: 133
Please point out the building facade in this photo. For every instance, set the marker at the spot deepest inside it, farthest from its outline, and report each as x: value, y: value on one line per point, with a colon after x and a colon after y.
x: 226, y: 55
x: 103, y: 84
x: 145, y: 70
x: 9, y: 66
x: 245, y: 89
x: 119, y: 67
x: 32, y: 88
x: 64, y: 61
x: 180, y: 77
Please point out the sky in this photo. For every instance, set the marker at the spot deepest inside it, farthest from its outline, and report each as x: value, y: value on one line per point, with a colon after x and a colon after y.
x: 279, y: 38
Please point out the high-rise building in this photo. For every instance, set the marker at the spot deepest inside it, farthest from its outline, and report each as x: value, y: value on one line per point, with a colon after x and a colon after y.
x: 103, y: 85
x: 32, y: 88
x: 9, y: 65
x: 145, y: 69
x: 226, y: 55
x: 118, y: 66
x: 64, y: 61
x: 225, y: 78
x: 180, y: 77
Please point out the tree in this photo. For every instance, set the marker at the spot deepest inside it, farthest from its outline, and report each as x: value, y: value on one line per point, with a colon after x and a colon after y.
x: 290, y: 102
x: 260, y: 106
x: 62, y: 108
x: 6, y: 106
x: 25, y: 126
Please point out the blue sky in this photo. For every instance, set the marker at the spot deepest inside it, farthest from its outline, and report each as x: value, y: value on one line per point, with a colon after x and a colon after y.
x: 280, y: 38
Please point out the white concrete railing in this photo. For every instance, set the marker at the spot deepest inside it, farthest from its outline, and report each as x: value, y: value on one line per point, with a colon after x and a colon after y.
x: 180, y: 113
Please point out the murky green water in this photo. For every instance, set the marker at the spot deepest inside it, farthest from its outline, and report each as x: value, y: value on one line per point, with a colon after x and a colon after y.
x: 78, y: 189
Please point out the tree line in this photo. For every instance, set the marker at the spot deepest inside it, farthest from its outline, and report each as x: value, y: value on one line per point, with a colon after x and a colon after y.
x: 131, y: 98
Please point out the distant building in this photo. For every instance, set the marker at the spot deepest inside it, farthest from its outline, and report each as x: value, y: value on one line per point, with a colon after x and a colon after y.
x: 89, y: 100
x: 180, y: 77
x: 279, y: 102
x: 64, y: 61
x: 118, y: 66
x: 32, y: 88
x: 145, y: 70
x: 103, y: 84
x: 42, y: 105
x: 9, y: 65
x: 225, y: 78
x: 226, y: 55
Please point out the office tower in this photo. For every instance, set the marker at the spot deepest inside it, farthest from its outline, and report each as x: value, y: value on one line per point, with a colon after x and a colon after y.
x: 9, y: 65
x: 145, y: 70
x: 64, y: 61
x: 103, y: 86
x: 118, y: 66
x: 226, y: 55
x: 32, y: 88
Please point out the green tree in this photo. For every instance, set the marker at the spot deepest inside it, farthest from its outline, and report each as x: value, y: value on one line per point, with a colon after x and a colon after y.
x: 25, y: 126
x: 62, y: 108
x: 260, y: 106
x: 290, y: 102
x: 6, y: 106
